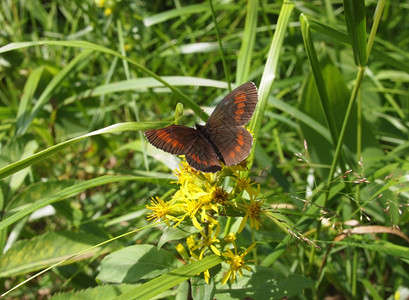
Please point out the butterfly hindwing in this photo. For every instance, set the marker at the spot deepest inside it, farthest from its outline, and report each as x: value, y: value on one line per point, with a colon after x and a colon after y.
x: 202, y: 157
x: 233, y: 143
x: 237, y: 108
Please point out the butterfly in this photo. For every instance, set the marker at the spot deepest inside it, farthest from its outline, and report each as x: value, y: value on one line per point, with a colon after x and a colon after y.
x: 222, y: 139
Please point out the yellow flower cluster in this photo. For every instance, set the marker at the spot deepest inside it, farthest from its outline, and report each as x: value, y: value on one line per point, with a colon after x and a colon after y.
x: 103, y: 4
x: 200, y: 201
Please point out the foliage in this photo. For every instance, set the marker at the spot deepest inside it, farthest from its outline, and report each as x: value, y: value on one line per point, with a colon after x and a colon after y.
x: 80, y: 81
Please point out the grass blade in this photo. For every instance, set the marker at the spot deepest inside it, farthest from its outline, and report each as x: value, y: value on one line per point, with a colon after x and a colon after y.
x: 270, y: 69
x: 24, y: 163
x: 162, y: 283
x: 355, y: 19
x: 247, y: 45
x: 90, y: 46
x: 64, y: 194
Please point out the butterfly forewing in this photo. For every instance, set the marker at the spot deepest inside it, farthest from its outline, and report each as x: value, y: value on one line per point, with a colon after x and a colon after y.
x: 237, y: 108
x: 175, y: 139
x: 234, y: 144
x: 182, y: 140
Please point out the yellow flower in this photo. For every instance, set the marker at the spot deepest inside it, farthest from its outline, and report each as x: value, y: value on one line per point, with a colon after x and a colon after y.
x: 99, y: 3
x: 220, y: 196
x: 240, y: 167
x: 185, y: 173
x: 236, y: 262
x: 182, y: 251
x: 107, y: 11
x: 194, y: 199
x: 160, y: 210
x: 206, y: 275
x: 230, y: 239
x: 208, y: 241
x: 194, y: 257
x: 190, y: 241
x: 245, y: 184
x: 253, y: 212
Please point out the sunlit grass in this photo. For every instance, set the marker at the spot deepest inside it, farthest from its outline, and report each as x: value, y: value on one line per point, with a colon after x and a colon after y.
x: 81, y: 81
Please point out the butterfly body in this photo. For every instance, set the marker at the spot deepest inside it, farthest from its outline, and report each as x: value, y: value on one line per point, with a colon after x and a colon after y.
x: 206, y: 135
x: 222, y: 139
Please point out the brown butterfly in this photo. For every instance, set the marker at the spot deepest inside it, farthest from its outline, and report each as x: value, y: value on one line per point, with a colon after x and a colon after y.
x: 222, y: 139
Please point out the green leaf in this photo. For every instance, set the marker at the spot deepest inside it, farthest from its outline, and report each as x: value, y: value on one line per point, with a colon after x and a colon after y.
x: 247, y: 45
x: 337, y: 105
x: 26, y: 162
x: 35, y: 192
x: 100, y: 292
x: 54, y: 84
x: 133, y: 263
x: 143, y: 83
x: 270, y: 69
x: 265, y: 283
x: 45, y: 250
x: 355, y: 19
x: 318, y: 78
x: 176, y: 233
x: 169, y: 280
x: 384, y: 247
x: 28, y: 93
x: 184, y: 11
x: 67, y: 193
x: 90, y: 46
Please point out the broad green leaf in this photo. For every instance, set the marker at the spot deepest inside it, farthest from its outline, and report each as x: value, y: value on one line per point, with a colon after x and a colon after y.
x: 176, y: 233
x: 45, y: 250
x: 133, y: 263
x: 162, y: 283
x: 99, y: 292
x: 265, y: 283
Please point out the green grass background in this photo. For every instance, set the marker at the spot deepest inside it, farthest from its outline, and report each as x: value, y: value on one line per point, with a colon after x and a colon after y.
x: 80, y: 81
